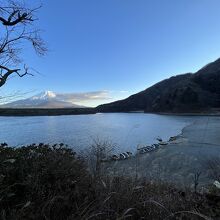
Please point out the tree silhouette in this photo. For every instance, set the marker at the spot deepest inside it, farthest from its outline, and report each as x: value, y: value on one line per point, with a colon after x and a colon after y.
x: 17, y: 25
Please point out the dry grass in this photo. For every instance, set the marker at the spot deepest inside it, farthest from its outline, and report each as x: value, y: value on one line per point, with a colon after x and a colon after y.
x: 52, y: 183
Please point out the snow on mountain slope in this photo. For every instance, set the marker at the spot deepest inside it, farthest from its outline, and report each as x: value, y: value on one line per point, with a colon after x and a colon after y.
x: 44, y: 96
x: 47, y: 99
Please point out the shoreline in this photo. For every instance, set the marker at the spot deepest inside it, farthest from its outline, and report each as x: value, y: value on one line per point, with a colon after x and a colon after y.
x: 190, y: 114
x: 12, y: 112
x: 179, y: 161
x: 22, y: 112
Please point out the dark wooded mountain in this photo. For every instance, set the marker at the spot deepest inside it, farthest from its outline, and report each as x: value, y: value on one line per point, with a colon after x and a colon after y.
x: 182, y: 93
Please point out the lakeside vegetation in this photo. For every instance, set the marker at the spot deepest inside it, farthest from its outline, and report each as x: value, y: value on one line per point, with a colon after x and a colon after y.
x: 45, y: 112
x: 53, y: 182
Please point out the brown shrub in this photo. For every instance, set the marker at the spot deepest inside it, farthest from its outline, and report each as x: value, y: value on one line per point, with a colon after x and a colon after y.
x: 51, y: 182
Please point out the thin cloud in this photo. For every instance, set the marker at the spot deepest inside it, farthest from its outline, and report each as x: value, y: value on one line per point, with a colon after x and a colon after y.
x: 123, y: 91
x: 119, y: 91
x: 84, y: 97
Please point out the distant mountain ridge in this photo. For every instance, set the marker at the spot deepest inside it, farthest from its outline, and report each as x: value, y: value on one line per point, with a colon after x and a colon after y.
x: 47, y: 99
x: 182, y: 93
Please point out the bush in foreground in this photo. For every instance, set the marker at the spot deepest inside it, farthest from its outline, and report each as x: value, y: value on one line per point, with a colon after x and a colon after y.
x: 52, y: 182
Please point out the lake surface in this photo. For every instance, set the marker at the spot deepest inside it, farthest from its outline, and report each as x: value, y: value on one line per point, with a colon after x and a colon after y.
x: 125, y: 130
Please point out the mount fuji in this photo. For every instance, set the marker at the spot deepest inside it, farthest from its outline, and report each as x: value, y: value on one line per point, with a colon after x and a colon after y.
x: 47, y: 99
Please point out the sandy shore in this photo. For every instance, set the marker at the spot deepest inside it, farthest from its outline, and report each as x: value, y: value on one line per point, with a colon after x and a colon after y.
x: 180, y: 160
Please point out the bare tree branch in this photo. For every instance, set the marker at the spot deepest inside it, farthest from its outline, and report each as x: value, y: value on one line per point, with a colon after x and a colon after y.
x: 17, y: 22
x: 20, y: 18
x: 9, y: 72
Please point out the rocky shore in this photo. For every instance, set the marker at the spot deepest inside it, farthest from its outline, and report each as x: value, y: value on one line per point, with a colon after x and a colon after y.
x: 180, y: 160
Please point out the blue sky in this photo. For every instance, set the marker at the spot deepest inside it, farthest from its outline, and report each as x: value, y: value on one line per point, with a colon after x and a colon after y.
x: 120, y: 47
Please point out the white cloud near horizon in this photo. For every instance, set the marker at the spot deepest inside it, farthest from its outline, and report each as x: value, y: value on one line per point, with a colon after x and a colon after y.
x: 84, y: 96
x: 93, y: 98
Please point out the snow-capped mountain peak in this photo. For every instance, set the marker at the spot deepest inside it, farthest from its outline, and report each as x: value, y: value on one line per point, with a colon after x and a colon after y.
x: 44, y: 96
x: 46, y: 99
